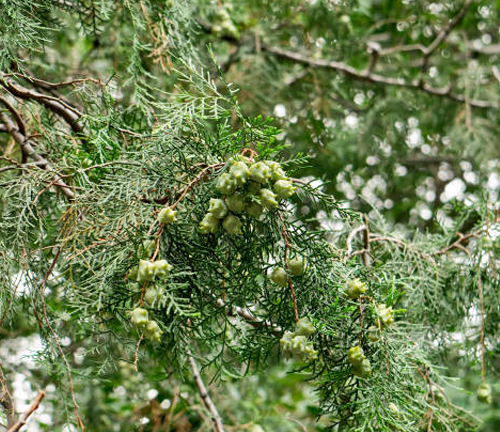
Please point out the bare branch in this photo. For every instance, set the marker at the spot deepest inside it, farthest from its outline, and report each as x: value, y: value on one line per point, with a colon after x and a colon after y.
x: 441, y: 37
x: 7, y: 401
x: 20, y: 123
x: 428, y: 50
x: 56, y: 105
x: 460, y: 243
x: 24, y: 418
x: 27, y: 147
x: 216, y: 419
x: 50, y: 85
x: 248, y: 316
x: 363, y: 75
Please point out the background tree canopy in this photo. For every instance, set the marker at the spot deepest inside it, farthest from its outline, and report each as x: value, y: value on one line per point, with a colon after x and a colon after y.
x: 249, y: 215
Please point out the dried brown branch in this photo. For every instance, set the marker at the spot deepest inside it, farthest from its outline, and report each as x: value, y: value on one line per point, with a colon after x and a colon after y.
x: 24, y: 418
x: 216, y: 418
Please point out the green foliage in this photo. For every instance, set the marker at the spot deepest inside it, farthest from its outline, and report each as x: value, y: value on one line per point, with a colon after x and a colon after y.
x: 152, y: 213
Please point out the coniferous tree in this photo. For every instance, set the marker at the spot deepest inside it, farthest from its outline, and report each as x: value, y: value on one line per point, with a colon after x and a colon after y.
x: 159, y: 231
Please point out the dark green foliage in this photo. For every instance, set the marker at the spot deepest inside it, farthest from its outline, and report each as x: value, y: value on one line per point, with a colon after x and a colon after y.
x: 132, y: 106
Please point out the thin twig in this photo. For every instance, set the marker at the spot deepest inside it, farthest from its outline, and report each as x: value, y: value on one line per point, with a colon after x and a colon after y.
x: 7, y: 401
x: 216, y: 418
x: 24, y: 418
x: 49, y: 85
x: 193, y: 182
x: 27, y: 147
x: 249, y: 316
x: 136, y: 353
x: 459, y: 243
x: 481, y: 335
x: 288, y: 247
x: 19, y: 120
x: 56, y: 338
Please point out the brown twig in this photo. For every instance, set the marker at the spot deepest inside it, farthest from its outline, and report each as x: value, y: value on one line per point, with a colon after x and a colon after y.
x: 49, y: 85
x: 459, y: 243
x: 24, y: 418
x: 136, y: 353
x: 56, y: 338
x: 70, y: 114
x: 481, y: 334
x: 249, y: 317
x: 374, y: 78
x: 216, y: 418
x: 288, y: 247
x: 28, y: 149
x: 7, y: 401
x: 193, y: 182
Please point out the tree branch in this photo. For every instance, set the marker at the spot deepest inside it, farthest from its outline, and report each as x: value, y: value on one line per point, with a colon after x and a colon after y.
x: 7, y: 401
x: 27, y: 147
x: 24, y: 418
x: 428, y: 50
x: 216, y: 419
x: 441, y: 37
x: 56, y: 105
x: 249, y: 316
x: 366, y: 75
